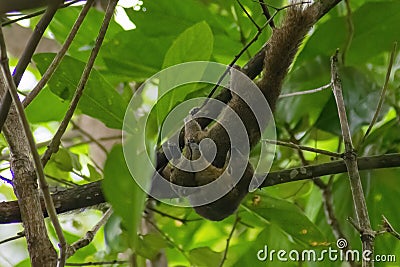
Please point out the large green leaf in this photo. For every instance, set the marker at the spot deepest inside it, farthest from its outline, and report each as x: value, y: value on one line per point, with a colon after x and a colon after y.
x: 270, y: 238
x: 361, y: 96
x: 100, y: 100
x: 121, y: 190
x: 62, y: 23
x: 46, y: 107
x: 376, y: 27
x: 194, y: 44
x: 151, y: 244
x: 115, y: 235
x: 311, y: 74
x: 171, y: 17
x: 175, y: 83
x: 287, y: 216
x: 204, y: 256
x: 135, y: 56
x: 66, y: 160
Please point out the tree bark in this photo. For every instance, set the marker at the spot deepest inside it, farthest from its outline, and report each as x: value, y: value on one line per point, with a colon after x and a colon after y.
x: 41, y: 250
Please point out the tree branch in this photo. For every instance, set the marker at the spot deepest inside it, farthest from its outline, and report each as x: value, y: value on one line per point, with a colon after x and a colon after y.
x: 41, y: 250
x: 12, y: 90
x: 91, y: 194
x: 350, y: 159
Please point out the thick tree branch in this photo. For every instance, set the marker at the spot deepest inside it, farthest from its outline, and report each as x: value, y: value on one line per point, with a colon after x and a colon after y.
x: 90, y: 194
x: 12, y: 89
x: 42, y: 252
x: 19, y: 5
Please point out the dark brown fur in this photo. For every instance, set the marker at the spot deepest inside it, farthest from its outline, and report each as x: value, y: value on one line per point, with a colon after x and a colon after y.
x: 281, y: 50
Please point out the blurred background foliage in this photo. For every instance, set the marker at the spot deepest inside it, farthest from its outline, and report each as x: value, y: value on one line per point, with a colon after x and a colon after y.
x: 289, y: 216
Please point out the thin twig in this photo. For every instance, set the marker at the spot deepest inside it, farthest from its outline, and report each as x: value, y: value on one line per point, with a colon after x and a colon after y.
x: 383, y: 92
x: 6, y: 156
x: 17, y: 236
x: 354, y: 224
x: 60, y: 55
x: 350, y: 159
x: 84, y: 177
x: 84, y: 142
x: 389, y: 228
x: 248, y: 15
x: 311, y: 91
x: 37, y: 13
x: 265, y: 11
x: 228, y: 240
x: 330, y: 212
x: 284, y: 7
x: 350, y: 30
x: 167, y: 238
x: 331, y: 218
x: 61, y: 181
x: 301, y: 147
x: 55, y: 142
x: 242, y: 37
x: 32, y: 147
x: 89, y: 136
x: 8, y: 181
x: 97, y: 263
x: 182, y: 220
x: 84, y: 241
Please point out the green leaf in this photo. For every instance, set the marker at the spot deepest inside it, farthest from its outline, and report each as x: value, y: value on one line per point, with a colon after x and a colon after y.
x: 150, y: 245
x: 359, y: 93
x: 66, y: 161
x: 24, y: 263
x: 382, y: 24
x: 121, y: 190
x: 204, y: 256
x: 100, y: 100
x: 272, y: 237
x: 194, y: 44
x: 169, y: 18
x: 94, y: 174
x: 385, y: 139
x: 46, y: 107
x: 83, y: 42
x: 309, y: 75
x: 115, y: 237
x: 132, y: 55
x: 287, y: 216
